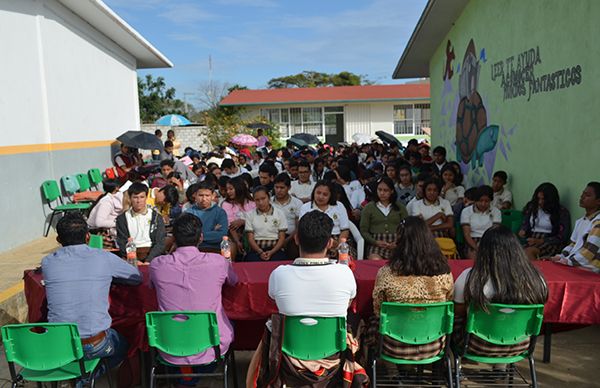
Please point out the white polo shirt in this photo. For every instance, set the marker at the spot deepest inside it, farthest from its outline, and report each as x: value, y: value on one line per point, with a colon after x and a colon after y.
x: 265, y: 226
x: 480, y: 221
x: 426, y: 210
x: 454, y: 194
x: 501, y: 197
x: 543, y: 224
x: 139, y: 227
x: 350, y: 187
x: 336, y: 212
x: 302, y: 190
x: 291, y: 211
x: 316, y: 290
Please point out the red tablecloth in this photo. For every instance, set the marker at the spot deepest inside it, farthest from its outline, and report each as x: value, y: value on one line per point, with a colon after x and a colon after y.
x: 574, y: 299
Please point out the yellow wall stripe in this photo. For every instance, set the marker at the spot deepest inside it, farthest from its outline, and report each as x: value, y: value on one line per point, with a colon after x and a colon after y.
x: 12, y: 291
x: 48, y: 147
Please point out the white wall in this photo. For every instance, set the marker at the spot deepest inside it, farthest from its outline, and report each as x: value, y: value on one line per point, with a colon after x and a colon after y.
x: 61, y: 80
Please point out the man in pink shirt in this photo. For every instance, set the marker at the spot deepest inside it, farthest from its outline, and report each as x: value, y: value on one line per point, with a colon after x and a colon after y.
x: 189, y: 279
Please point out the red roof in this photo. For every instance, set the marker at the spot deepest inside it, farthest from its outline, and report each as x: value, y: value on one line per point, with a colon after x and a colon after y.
x: 328, y: 94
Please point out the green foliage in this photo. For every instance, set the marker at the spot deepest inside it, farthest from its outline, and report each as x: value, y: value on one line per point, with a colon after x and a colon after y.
x: 313, y: 79
x: 156, y: 99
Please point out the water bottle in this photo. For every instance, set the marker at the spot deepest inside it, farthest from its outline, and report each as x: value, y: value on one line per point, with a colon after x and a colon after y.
x: 131, y: 250
x: 343, y: 252
x: 225, y: 248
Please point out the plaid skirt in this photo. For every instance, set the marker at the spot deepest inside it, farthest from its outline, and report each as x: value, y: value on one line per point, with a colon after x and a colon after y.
x: 375, y: 250
x: 440, y: 233
x: 482, y: 347
x: 469, y: 250
x: 547, y: 249
x: 266, y: 245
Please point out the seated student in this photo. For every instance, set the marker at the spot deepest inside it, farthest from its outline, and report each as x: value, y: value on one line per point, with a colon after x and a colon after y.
x: 439, y: 159
x: 380, y: 219
x: 502, y: 273
x: 182, y: 284
x: 419, y: 190
x: 124, y: 162
x: 436, y: 211
x: 312, y: 286
x: 303, y: 187
x: 230, y: 169
x: 243, y: 163
x: 290, y: 207
x: 323, y: 199
x: 214, y: 219
x: 344, y: 178
x: 452, y: 191
x: 391, y: 171
x: 584, y: 249
x: 143, y: 224
x: 405, y: 189
x: 174, y: 179
x: 167, y: 152
x: 265, y: 227
x: 106, y: 209
x: 416, y: 273
x: 546, y: 223
x: 166, y: 201
x: 318, y: 169
x: 238, y: 202
x: 266, y: 175
x: 478, y: 218
x: 77, y: 281
x: 502, y: 197
x: 166, y: 167
x: 222, y: 189
x: 292, y: 169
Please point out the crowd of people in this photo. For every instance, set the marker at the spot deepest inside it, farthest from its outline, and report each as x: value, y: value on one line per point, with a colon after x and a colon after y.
x: 299, y: 204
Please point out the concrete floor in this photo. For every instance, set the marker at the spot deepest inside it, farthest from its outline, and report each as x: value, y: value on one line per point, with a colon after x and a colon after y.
x: 574, y: 358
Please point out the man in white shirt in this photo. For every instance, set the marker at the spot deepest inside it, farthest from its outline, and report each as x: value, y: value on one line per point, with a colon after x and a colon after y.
x: 313, y: 286
x: 502, y: 197
x: 290, y: 207
x: 230, y: 169
x: 303, y: 187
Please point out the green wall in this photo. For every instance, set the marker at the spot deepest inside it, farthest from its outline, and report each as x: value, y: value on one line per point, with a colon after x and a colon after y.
x: 551, y: 135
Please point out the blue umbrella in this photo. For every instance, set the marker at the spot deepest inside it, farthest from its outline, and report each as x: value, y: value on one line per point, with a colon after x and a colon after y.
x: 173, y: 120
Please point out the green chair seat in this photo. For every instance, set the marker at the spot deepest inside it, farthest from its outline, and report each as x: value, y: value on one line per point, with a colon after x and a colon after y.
x: 73, y: 206
x: 67, y: 372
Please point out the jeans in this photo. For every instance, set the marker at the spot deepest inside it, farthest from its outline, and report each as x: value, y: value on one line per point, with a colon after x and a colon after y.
x: 113, y: 348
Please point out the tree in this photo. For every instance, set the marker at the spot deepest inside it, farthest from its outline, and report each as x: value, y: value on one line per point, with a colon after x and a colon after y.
x: 156, y: 99
x: 313, y: 79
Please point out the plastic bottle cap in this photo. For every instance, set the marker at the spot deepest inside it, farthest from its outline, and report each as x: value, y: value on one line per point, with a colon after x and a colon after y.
x: 342, y: 240
x: 225, y: 238
x: 130, y: 239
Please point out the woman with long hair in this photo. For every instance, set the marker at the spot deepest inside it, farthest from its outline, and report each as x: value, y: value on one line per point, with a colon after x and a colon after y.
x: 417, y: 272
x: 380, y: 219
x: 502, y: 273
x: 545, y: 228
x: 237, y: 201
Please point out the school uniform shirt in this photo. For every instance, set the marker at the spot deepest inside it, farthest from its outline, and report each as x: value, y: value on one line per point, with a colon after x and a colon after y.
x: 454, y: 194
x: 427, y: 210
x: 584, y: 249
x: 480, y: 221
x: 500, y: 197
x: 265, y: 226
x: 411, y: 204
x: 139, y: 227
x: 291, y: 211
x: 336, y: 212
x: 542, y: 222
x: 302, y: 190
x: 350, y: 187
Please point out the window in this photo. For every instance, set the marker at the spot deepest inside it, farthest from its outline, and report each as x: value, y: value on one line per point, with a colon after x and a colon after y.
x: 409, y: 119
x: 311, y: 120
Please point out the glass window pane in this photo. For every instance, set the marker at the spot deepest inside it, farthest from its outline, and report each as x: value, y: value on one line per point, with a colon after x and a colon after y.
x: 296, y: 116
x: 312, y: 115
x: 285, y: 118
x: 334, y: 109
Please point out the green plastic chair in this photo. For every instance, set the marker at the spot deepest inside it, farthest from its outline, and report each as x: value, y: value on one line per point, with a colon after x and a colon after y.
x: 313, y: 338
x: 503, y: 324
x: 55, y: 202
x: 46, y: 352
x: 512, y: 219
x: 83, y: 181
x: 95, y: 176
x: 70, y: 184
x: 185, y: 333
x: 96, y: 241
x: 416, y: 324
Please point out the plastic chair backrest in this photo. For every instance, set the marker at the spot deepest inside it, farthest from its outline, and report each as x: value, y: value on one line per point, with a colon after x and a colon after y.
x: 110, y: 173
x: 96, y: 241
x: 83, y: 181
x: 70, y: 184
x: 182, y: 333
x: 460, y: 235
x: 448, y: 247
x: 42, y: 346
x: 95, y: 176
x: 512, y: 219
x: 313, y: 338
x: 505, y: 324
x: 51, y: 191
x: 416, y: 324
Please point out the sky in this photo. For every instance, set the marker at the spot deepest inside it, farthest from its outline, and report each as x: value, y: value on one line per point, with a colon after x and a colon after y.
x: 251, y: 41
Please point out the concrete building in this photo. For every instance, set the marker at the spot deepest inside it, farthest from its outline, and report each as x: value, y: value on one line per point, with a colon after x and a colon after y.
x: 513, y: 87
x: 69, y: 87
x: 336, y: 113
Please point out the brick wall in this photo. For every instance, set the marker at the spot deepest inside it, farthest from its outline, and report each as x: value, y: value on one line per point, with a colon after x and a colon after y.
x: 191, y: 136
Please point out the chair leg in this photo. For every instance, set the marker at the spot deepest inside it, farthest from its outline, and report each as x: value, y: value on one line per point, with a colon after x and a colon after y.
x: 233, y: 367
x: 449, y: 370
x: 54, y: 384
x: 374, y: 371
x: 50, y: 223
x: 225, y: 374
x: 532, y: 371
x: 457, y: 371
x: 511, y: 374
x: 152, y: 376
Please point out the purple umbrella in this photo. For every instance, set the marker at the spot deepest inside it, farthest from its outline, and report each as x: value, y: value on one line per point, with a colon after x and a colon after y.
x: 244, y: 140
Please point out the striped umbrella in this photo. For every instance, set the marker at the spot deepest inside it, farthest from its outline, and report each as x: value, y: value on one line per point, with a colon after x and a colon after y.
x: 173, y: 120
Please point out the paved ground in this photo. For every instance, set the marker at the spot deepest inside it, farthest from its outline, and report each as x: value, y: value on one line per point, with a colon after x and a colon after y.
x: 574, y: 353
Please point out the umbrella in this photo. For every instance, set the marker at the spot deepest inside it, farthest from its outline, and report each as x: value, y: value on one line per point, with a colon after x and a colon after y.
x: 244, y: 140
x: 299, y: 143
x: 173, y: 120
x: 140, y: 139
x: 361, y: 138
x: 388, y: 138
x: 258, y: 126
x: 307, y: 138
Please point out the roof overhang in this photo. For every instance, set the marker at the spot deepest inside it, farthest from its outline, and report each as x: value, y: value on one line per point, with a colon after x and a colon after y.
x: 102, y: 18
x: 312, y: 102
x: 435, y: 22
